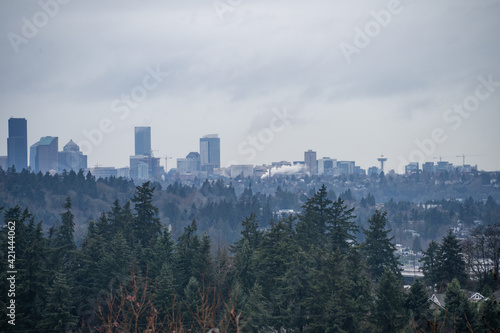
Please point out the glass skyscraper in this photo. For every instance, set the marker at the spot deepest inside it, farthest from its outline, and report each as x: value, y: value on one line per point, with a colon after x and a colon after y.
x: 210, y: 151
x: 17, y: 144
x: 143, y: 141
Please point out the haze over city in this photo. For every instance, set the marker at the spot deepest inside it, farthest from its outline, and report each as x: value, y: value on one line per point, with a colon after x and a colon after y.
x: 273, y: 80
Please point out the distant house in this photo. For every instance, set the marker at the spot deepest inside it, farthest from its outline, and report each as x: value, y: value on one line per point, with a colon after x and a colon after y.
x: 477, y: 297
x: 437, y: 300
x: 440, y: 299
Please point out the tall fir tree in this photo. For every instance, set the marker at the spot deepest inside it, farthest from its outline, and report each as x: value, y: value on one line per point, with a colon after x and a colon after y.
x: 450, y: 261
x: 312, y: 224
x: 418, y: 303
x: 57, y: 316
x: 378, y: 247
x: 342, y: 227
x: 430, y: 264
x: 146, y: 223
x: 389, y: 313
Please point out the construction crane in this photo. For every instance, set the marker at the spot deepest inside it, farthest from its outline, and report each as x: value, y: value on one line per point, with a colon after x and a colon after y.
x: 463, y: 156
x: 440, y: 157
x: 167, y: 158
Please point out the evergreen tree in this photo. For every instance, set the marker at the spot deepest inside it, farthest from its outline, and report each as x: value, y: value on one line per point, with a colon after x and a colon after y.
x: 63, y: 245
x: 255, y: 310
x: 312, y: 225
x: 430, y: 265
x: 340, y: 299
x: 192, y: 301
x: 342, y: 227
x: 146, y: 223
x: 450, y: 262
x: 160, y: 252
x: 165, y: 290
x: 245, y: 248
x: 418, y: 303
x: 272, y: 258
x: 378, y: 248
x: 57, y: 315
x: 490, y: 318
x: 188, y: 245
x: 460, y: 315
x: 389, y: 313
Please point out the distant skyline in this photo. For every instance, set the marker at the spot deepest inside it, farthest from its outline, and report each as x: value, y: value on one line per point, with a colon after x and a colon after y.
x: 410, y: 80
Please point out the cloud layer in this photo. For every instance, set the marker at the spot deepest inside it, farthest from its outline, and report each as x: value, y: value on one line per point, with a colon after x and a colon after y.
x: 231, y: 63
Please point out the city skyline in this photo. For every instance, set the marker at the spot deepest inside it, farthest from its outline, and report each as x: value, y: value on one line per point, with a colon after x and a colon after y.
x: 147, y: 166
x: 349, y: 81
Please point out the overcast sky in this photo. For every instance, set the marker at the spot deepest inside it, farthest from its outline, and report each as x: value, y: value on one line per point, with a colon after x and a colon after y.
x: 351, y: 81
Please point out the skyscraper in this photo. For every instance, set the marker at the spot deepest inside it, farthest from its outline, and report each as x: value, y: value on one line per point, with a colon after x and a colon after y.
x: 71, y: 158
x: 17, y: 144
x: 210, y: 151
x: 311, y: 162
x: 143, y: 141
x: 44, y: 155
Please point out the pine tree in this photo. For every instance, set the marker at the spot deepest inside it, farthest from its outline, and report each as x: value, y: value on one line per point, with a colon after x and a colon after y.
x: 312, y: 225
x: 165, y: 290
x: 342, y: 227
x: 490, y: 318
x: 418, y: 303
x: 255, y: 309
x: 430, y: 265
x: 188, y: 245
x: 33, y: 277
x: 460, y: 314
x: 378, y: 248
x: 389, y: 313
x: 192, y: 301
x: 160, y: 252
x: 57, y: 315
x: 451, y: 264
x: 276, y: 250
x: 64, y: 247
x: 146, y: 223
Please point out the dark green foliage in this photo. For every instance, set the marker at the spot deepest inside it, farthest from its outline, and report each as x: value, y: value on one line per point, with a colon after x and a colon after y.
x: 340, y: 297
x: 460, y: 313
x: 57, y: 315
x: 389, y: 312
x: 146, y: 224
x: 378, y: 248
x: 165, y: 290
x: 490, y: 316
x: 430, y: 265
x: 298, y: 274
x: 450, y: 262
x: 418, y: 303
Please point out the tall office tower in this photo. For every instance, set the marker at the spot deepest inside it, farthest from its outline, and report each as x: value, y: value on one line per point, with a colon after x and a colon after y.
x: 143, y: 141
x: 44, y: 155
x: 71, y: 158
x: 210, y: 152
x: 311, y: 162
x: 17, y: 144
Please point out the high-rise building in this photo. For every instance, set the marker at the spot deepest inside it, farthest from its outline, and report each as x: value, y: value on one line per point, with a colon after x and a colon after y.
x: 17, y: 144
x: 44, y: 155
x: 210, y: 152
x: 311, y: 162
x: 326, y: 165
x: 144, y: 167
x: 143, y: 141
x: 190, y: 164
x: 71, y: 158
